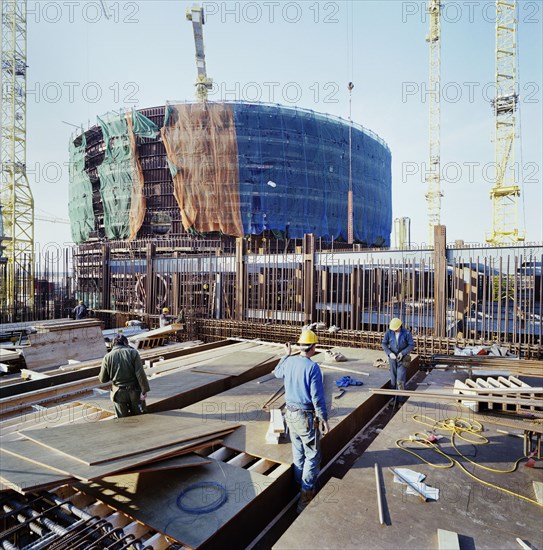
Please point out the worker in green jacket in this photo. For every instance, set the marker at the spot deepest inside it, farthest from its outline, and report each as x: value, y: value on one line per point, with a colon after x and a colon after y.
x: 123, y: 367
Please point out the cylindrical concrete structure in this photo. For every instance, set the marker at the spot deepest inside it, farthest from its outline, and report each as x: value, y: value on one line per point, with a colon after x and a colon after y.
x: 233, y: 169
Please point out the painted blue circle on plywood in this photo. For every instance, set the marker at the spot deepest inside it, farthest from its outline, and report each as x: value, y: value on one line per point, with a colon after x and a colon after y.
x: 215, y: 504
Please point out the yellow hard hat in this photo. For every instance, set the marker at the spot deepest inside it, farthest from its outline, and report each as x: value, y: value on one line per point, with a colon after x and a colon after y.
x: 307, y: 337
x: 165, y: 310
x: 395, y: 324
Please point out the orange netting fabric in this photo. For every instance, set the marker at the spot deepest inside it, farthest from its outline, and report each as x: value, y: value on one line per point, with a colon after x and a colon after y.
x: 137, y: 203
x: 200, y: 141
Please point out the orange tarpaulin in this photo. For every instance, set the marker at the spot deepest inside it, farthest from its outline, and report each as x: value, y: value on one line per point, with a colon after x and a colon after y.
x: 200, y: 141
x: 138, y: 203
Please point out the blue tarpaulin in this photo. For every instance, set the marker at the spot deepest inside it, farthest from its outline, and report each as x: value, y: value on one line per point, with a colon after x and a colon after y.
x: 294, y: 175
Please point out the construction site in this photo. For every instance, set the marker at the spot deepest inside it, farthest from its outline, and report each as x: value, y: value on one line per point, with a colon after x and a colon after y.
x: 213, y: 237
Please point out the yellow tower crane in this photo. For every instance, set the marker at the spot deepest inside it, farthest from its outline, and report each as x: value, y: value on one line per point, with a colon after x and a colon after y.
x: 17, y: 203
x: 433, y: 174
x: 203, y: 83
x: 505, y: 192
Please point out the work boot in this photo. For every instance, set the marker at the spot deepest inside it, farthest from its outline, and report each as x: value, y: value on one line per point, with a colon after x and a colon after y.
x: 305, y: 498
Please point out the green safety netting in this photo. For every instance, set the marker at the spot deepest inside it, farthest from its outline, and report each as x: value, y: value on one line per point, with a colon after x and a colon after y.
x: 79, y: 194
x: 121, y: 176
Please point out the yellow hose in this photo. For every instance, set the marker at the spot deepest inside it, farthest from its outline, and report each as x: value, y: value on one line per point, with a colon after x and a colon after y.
x: 458, y: 426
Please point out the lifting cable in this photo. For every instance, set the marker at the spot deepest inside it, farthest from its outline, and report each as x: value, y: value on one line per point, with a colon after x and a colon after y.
x: 469, y: 432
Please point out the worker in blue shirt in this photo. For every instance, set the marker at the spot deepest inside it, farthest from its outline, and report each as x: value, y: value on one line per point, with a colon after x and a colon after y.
x: 305, y: 410
x: 398, y: 344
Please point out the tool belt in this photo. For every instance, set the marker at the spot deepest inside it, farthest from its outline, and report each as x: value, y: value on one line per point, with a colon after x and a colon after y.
x: 295, y: 408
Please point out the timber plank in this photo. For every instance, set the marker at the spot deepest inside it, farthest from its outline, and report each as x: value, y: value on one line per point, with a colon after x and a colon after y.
x: 157, y: 332
x: 198, y: 357
x: 111, y: 439
x: 7, y: 355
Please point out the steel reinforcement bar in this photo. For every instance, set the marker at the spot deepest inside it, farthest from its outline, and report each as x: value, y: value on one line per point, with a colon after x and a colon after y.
x: 209, y: 330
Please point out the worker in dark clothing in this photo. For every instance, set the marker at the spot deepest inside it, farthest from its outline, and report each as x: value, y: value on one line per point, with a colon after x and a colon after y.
x: 305, y: 410
x: 123, y: 367
x: 398, y: 344
x: 80, y: 310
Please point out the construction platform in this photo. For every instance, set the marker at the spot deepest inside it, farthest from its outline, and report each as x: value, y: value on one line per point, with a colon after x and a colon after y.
x: 257, y: 476
x: 254, y: 476
x: 202, y: 471
x: 475, y: 513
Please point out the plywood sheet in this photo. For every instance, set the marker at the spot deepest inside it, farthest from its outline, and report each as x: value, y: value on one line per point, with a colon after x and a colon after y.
x: 31, y: 452
x: 177, y: 388
x: 98, y: 442
x: 22, y: 475
x: 199, y: 357
x: 243, y: 404
x: 152, y: 498
x: 235, y: 364
x: 171, y: 390
x: 183, y: 461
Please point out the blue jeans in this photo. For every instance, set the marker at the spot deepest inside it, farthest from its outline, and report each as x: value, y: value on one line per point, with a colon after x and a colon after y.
x: 306, y: 451
x: 398, y: 376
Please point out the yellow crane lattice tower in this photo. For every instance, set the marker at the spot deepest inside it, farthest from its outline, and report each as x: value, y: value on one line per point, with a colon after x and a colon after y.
x: 433, y: 174
x: 15, y: 193
x: 505, y: 193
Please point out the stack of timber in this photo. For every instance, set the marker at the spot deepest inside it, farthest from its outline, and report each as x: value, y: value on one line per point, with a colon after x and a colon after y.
x: 156, y: 337
x: 54, y: 343
x: 56, y: 455
x: 517, y: 367
x: 11, y: 360
x: 482, y: 496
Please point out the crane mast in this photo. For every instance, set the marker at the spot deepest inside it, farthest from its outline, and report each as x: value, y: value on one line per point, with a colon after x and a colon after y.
x: 505, y: 192
x: 203, y: 83
x: 15, y: 194
x: 433, y: 174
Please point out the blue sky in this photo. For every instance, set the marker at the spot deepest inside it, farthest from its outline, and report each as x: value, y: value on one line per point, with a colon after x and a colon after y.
x: 82, y: 64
